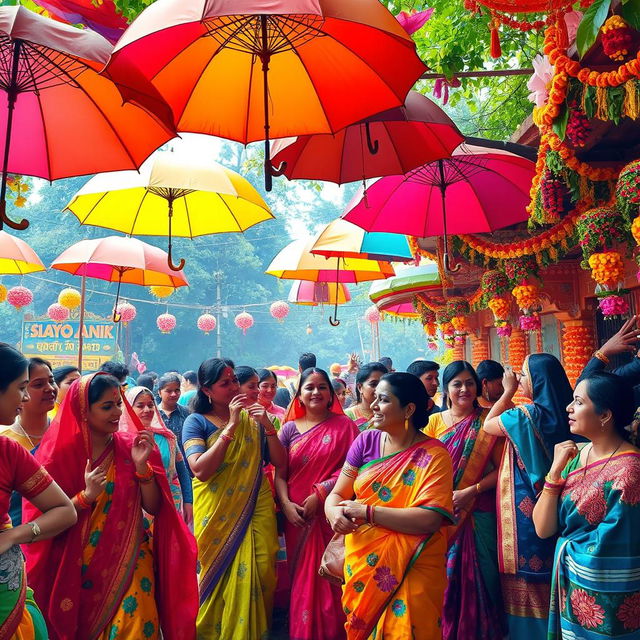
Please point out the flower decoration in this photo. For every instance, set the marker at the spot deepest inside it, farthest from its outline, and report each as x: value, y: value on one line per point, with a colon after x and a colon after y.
x: 613, y: 306
x: 126, y: 313
x: 553, y: 192
x: 628, y: 190
x: 372, y: 314
x: 161, y: 291
x: 479, y: 350
x: 578, y: 126
x: 70, y: 298
x: 518, y: 347
x: 207, y: 323
x: 527, y: 296
x: 504, y: 329
x: 58, y: 312
x: 607, y: 269
x: 493, y: 283
x: 617, y: 38
x: 500, y: 307
x: 540, y: 81
x: 166, y: 322
x: 518, y: 270
x: 244, y: 321
x: 598, y: 229
x: 3, y: 293
x: 530, y: 323
x: 19, y: 297
x: 279, y: 310
x: 577, y: 346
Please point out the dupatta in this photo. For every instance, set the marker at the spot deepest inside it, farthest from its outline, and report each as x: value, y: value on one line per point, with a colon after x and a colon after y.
x: 54, y: 566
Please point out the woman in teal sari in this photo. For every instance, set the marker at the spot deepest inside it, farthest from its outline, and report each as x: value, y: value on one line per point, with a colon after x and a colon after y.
x: 531, y: 431
x: 591, y: 498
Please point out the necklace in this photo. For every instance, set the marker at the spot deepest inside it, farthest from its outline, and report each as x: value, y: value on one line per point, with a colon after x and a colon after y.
x: 586, y: 464
x: 454, y: 419
x: 27, y: 435
x: 386, y: 439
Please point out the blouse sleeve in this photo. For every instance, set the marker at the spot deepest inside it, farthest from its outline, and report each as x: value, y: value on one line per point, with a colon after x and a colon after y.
x: 355, y: 456
x: 431, y: 429
x: 185, y: 481
x: 286, y: 433
x: 436, y: 492
x: 194, y: 436
x: 29, y: 478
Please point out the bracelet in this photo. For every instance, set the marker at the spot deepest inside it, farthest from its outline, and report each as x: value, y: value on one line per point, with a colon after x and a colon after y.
x: 82, y: 500
x: 373, y: 515
x: 147, y: 476
x: 478, y: 489
x: 368, y: 516
x: 226, y: 437
x: 551, y: 490
x: 35, y: 530
x: 600, y: 356
x: 548, y: 480
x: 273, y: 432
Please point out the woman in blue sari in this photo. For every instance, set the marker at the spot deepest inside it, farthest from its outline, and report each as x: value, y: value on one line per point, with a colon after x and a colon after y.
x: 591, y: 498
x: 531, y: 430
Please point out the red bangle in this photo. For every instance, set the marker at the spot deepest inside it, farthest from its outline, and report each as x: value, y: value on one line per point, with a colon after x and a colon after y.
x: 145, y: 477
x: 82, y: 500
x: 373, y: 514
x: 368, y: 516
x: 226, y: 437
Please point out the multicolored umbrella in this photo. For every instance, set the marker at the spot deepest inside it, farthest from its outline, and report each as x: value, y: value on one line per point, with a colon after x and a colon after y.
x: 172, y: 195
x: 313, y: 294
x: 277, y: 68
x: 17, y: 257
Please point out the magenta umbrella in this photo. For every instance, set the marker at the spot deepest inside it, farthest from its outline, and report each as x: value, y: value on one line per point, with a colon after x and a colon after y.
x: 390, y: 143
x: 473, y: 191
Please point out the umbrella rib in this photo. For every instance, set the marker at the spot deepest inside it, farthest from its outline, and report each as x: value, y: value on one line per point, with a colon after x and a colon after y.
x: 326, y: 117
x: 186, y: 207
x: 91, y: 210
x: 44, y: 132
x: 140, y: 205
x: 233, y: 214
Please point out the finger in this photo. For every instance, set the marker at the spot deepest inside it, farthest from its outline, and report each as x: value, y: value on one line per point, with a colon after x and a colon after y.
x: 87, y: 468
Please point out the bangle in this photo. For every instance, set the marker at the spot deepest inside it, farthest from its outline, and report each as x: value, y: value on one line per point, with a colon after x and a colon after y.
x: 35, y: 530
x: 551, y: 490
x: 373, y: 515
x: 368, y: 516
x: 273, y: 432
x: 478, y: 489
x: 82, y: 500
x: 226, y: 437
x: 147, y: 475
x: 552, y: 482
x: 600, y: 356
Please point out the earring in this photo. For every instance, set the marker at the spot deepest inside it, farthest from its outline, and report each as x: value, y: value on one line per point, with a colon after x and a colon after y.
x: 449, y: 402
x: 406, y: 424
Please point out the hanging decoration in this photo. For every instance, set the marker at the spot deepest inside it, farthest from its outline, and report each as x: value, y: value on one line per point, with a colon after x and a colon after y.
x: 628, y: 190
x: 279, y: 310
x: 600, y: 228
x: 607, y: 269
x: 428, y: 318
x: 613, y: 306
x: 372, y: 314
x: 616, y: 38
x: 3, y: 293
x: 479, y: 350
x: 577, y: 346
x: 125, y: 312
x: 160, y: 291
x: 207, y: 323
x: 70, y: 298
x: 309, y: 329
x: 495, y: 296
x: 517, y: 349
x: 244, y: 321
x: 530, y: 322
x: 447, y: 332
x: 458, y: 309
x: 578, y: 126
x: 503, y: 329
x: 58, y: 312
x: 166, y: 322
x: 19, y: 297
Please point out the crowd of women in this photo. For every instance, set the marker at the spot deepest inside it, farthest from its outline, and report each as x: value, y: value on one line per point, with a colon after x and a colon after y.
x: 472, y: 518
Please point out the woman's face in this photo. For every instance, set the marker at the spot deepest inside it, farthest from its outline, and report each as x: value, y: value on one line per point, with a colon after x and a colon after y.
x: 525, y: 380
x: 368, y: 387
x: 267, y: 390
x: 250, y: 388
x: 315, y: 394
x: 104, y: 414
x: 224, y: 389
x: 341, y: 394
x: 144, y: 407
x: 387, y: 412
x: 430, y: 382
x: 583, y: 419
x: 462, y: 391
x: 43, y: 390
x: 13, y: 397
x: 65, y: 383
x: 170, y: 394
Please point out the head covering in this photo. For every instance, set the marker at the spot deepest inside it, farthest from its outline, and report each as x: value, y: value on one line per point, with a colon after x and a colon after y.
x: 133, y: 426
x: 54, y: 566
x: 335, y: 369
x: 296, y: 409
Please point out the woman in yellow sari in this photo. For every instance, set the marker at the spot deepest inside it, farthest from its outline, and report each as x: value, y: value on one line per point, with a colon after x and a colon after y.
x: 395, y: 539
x: 227, y: 440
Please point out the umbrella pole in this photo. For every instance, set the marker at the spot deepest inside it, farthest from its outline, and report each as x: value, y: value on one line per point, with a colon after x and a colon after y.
x: 334, y: 322
x: 12, y: 96
x: 265, y: 57
x: 116, y: 316
x: 180, y: 265
x: 443, y: 191
x: 83, y: 295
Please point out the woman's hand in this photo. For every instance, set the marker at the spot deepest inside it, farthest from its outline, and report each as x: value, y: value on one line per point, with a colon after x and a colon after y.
x: 236, y: 405
x: 94, y: 482
x: 187, y: 514
x: 625, y: 340
x: 259, y: 414
x: 510, y: 383
x: 310, y: 506
x: 7, y: 540
x: 339, y: 522
x: 294, y: 513
x: 141, y: 450
x: 463, y: 499
x: 355, y: 511
x: 563, y: 453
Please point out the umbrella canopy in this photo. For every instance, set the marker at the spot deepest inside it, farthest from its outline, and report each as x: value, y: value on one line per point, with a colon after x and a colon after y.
x: 390, y: 143
x: 313, y: 294
x: 172, y: 195
x: 277, y: 68
x: 343, y: 239
x: 17, y: 257
x: 61, y: 117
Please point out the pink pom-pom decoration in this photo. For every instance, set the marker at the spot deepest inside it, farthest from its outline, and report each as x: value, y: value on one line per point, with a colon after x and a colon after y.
x: 166, y: 322
x: 57, y: 312
x: 244, y: 321
x: 19, y: 297
x: 126, y: 312
x: 207, y: 323
x: 279, y: 310
x: 433, y: 346
x: 372, y: 314
x: 504, y: 331
x: 530, y: 323
x: 613, y: 306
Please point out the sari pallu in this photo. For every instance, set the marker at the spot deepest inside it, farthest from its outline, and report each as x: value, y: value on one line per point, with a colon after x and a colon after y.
x: 394, y: 581
x: 80, y: 602
x: 315, y: 461
x: 595, y: 592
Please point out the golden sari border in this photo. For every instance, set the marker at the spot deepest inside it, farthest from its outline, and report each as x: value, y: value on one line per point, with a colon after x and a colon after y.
x: 11, y: 624
x: 507, y: 531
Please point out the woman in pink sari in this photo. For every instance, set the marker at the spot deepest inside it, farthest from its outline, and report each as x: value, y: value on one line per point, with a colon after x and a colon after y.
x: 317, y: 437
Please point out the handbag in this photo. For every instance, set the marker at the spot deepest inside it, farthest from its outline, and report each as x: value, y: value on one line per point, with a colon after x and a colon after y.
x: 332, y: 564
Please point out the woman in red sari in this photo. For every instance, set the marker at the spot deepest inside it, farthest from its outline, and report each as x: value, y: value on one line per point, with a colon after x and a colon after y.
x: 317, y: 437
x: 105, y: 578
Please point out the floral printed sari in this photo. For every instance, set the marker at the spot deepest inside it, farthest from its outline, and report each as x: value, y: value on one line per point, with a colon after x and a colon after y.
x: 595, y: 592
x: 395, y: 581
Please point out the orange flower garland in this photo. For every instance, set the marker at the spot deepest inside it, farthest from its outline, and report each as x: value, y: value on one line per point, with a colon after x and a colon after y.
x: 500, y: 308
x: 607, y: 269
x: 458, y: 351
x: 635, y: 229
x: 479, y: 350
x: 527, y: 296
x: 577, y: 346
x: 518, y: 349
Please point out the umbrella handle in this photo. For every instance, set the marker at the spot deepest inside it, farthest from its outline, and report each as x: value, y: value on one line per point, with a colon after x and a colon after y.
x: 447, y: 264
x: 172, y: 266
x: 372, y: 145
x: 4, y: 219
x: 334, y: 322
x: 279, y: 171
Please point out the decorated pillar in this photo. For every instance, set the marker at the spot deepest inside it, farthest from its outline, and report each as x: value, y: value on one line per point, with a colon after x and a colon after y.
x: 518, y: 351
x: 578, y: 343
x: 479, y: 347
x: 458, y: 351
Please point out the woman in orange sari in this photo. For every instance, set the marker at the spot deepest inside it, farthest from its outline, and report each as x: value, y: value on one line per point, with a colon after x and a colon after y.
x: 395, y: 542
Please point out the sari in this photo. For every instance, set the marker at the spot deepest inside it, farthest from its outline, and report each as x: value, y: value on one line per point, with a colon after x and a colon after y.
x: 472, y: 603
x: 524, y: 560
x: 395, y: 582
x: 315, y: 460
x: 105, y: 578
x: 361, y: 421
x: 20, y: 618
x: 595, y: 591
x: 235, y: 526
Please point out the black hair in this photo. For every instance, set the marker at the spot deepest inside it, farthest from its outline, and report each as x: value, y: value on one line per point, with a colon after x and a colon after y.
x: 489, y: 370
x: 310, y: 371
x: 264, y: 374
x: 115, y: 369
x: 420, y: 367
x: 99, y: 384
x: 60, y: 373
x: 307, y: 361
x: 338, y: 384
x: 39, y: 362
x: 282, y: 397
x: 610, y: 392
x: 168, y: 378
x: 408, y: 388
x: 12, y: 365
x: 145, y: 380
x: 365, y: 371
x: 209, y: 373
x: 153, y: 374
x: 191, y: 377
x: 244, y: 374
x: 452, y: 371
x: 386, y: 361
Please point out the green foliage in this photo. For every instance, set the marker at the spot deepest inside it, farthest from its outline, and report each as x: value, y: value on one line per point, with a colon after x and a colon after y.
x: 631, y: 12
x: 590, y: 24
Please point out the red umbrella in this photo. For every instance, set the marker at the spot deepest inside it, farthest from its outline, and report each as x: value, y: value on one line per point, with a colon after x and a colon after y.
x: 252, y: 70
x: 62, y: 118
x: 387, y: 144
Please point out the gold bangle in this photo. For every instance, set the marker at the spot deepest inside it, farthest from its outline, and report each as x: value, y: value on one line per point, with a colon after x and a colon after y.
x: 600, y: 356
x: 478, y: 489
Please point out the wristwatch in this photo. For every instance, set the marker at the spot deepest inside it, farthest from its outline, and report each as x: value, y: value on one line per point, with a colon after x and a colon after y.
x: 35, y: 529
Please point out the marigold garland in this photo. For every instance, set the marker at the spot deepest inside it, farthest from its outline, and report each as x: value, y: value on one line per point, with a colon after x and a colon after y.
x: 600, y: 228
x: 607, y: 269
x: 527, y: 296
x: 577, y: 346
x: 479, y: 350
x: 500, y: 307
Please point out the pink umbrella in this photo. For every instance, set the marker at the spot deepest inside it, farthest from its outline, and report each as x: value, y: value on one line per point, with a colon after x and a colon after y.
x: 473, y: 191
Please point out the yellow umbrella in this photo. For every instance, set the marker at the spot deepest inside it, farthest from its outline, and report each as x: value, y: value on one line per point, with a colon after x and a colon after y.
x: 172, y: 195
x: 17, y: 257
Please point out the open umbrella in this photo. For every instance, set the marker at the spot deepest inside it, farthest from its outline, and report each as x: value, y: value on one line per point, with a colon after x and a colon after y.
x: 17, y: 257
x: 117, y: 259
x: 172, y: 195
x: 473, y: 191
x: 61, y: 117
x: 313, y: 294
x: 277, y: 68
x: 389, y: 143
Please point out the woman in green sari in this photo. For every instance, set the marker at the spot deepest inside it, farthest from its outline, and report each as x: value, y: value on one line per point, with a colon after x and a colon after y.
x: 227, y: 440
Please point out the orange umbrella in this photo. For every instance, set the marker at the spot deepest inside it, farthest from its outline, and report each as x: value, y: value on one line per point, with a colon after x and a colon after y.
x: 17, y: 257
x: 257, y: 69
